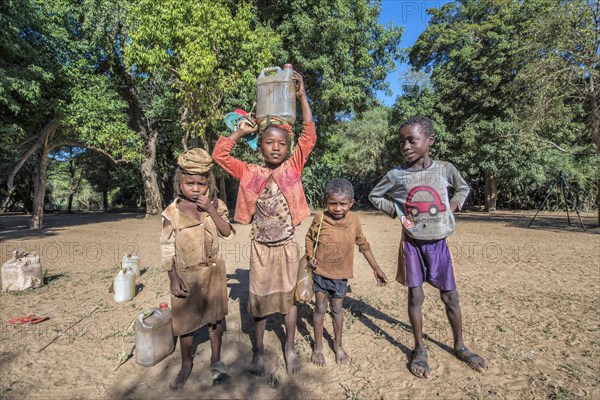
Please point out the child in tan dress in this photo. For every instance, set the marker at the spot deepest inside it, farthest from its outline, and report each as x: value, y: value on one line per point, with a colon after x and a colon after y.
x: 271, y: 197
x: 192, y: 225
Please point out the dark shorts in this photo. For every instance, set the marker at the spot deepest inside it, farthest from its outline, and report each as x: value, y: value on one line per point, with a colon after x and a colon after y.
x: 335, y: 288
x: 428, y: 261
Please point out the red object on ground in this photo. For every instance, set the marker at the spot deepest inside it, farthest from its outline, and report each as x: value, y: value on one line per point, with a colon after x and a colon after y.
x: 32, y: 319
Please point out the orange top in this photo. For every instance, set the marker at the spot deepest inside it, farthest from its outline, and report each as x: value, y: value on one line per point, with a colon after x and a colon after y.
x: 253, y: 177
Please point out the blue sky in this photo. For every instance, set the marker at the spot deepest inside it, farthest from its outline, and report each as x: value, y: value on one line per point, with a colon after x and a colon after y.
x: 412, y: 15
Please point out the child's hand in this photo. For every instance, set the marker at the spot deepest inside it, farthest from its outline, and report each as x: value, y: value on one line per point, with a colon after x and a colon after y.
x: 245, y: 128
x: 312, y: 263
x: 178, y: 287
x: 299, y: 82
x: 204, y: 204
x: 380, y: 277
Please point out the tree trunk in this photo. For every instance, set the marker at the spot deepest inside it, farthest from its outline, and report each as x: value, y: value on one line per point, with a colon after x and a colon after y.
x: 42, y: 139
x: 39, y: 194
x: 223, y: 189
x: 491, y: 192
x: 105, y: 200
x: 70, y: 204
x: 595, y: 128
x: 148, y: 169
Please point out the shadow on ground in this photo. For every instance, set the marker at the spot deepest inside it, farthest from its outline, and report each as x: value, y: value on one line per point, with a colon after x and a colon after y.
x: 16, y: 226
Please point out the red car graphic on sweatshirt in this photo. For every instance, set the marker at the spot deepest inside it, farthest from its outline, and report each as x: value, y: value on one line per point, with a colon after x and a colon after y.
x: 424, y: 199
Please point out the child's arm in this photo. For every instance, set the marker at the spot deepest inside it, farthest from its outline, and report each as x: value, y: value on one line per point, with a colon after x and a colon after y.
x: 167, y: 258
x: 204, y: 204
x: 222, y: 152
x: 379, y: 274
x: 461, y: 188
x: 301, y: 94
x: 308, y: 138
x: 178, y: 287
x: 379, y: 199
x: 365, y: 248
x: 310, y: 241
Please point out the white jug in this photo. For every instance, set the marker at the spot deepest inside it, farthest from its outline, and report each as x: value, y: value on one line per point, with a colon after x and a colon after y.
x: 124, y: 285
x: 132, y: 262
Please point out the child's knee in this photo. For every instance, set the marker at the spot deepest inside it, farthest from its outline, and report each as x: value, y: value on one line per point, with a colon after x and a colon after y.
x: 416, y: 297
x: 449, y: 298
x: 336, y: 306
x: 321, y: 306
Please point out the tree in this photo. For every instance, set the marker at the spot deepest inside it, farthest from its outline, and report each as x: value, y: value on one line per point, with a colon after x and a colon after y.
x: 558, y: 84
x: 474, y: 50
x: 28, y: 74
x: 359, y: 150
x: 341, y: 48
x: 63, y: 35
x: 209, y: 51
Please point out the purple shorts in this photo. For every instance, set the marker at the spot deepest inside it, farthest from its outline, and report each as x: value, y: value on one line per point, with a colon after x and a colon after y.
x: 428, y: 261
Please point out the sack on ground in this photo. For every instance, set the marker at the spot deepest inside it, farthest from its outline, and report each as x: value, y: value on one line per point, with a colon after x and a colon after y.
x: 304, y: 282
x: 22, y: 271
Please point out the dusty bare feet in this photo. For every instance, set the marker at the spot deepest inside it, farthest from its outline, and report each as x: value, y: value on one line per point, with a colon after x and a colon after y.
x: 340, y: 355
x: 257, y: 366
x: 291, y: 360
x: 177, y: 384
x: 318, y: 358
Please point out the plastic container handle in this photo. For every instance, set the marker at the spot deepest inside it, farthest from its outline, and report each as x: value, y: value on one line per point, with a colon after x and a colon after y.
x: 270, y: 69
x: 142, y: 317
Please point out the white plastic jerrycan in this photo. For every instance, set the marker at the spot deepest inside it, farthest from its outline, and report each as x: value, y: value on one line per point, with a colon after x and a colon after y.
x: 132, y: 262
x: 124, y: 285
x: 276, y: 94
x: 153, y: 336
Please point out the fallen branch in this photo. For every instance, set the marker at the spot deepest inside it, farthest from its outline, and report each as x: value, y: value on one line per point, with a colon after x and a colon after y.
x: 70, y: 326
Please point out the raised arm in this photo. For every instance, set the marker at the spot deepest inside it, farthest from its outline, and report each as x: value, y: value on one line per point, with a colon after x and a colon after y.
x: 222, y: 152
x: 301, y: 94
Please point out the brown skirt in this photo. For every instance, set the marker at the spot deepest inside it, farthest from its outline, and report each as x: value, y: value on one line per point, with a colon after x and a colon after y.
x: 206, y: 301
x: 273, y: 273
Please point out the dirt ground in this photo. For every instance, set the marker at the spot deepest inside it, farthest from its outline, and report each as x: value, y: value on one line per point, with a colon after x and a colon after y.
x: 530, y: 300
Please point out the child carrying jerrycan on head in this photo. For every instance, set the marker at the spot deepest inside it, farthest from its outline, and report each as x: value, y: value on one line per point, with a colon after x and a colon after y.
x: 272, y: 199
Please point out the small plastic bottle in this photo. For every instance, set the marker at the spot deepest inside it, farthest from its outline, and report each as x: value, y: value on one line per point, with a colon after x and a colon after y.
x: 124, y: 285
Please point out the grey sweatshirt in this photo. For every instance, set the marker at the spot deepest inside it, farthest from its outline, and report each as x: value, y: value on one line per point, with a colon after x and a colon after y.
x: 420, y: 198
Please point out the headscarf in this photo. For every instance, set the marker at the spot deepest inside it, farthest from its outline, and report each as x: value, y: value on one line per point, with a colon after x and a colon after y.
x: 277, y: 122
x: 195, y: 161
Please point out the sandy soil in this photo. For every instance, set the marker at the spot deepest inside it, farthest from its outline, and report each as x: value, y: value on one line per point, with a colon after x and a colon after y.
x: 530, y: 301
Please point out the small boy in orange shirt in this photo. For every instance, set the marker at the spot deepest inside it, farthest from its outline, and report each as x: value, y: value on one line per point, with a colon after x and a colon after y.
x: 337, y: 230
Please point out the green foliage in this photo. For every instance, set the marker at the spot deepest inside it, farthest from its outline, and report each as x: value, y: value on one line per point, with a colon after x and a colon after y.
x: 99, y: 121
x: 360, y: 148
x: 211, y: 52
x: 27, y: 71
x: 482, y: 58
x: 339, y: 46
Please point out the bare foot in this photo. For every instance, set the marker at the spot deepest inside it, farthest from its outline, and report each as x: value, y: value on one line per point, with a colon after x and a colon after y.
x: 473, y: 360
x: 177, y: 384
x: 418, y: 364
x: 291, y: 360
x: 318, y: 358
x: 340, y: 355
x: 257, y: 366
